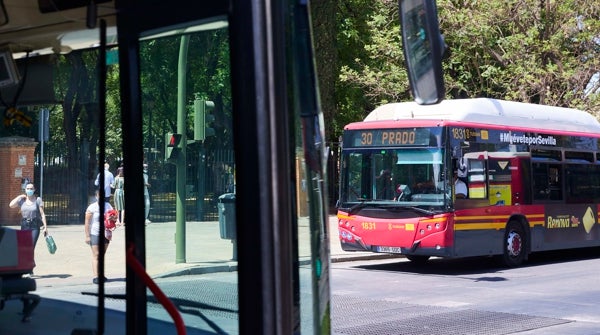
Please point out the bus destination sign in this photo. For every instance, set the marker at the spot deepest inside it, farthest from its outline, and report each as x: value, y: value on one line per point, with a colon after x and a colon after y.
x: 387, y: 137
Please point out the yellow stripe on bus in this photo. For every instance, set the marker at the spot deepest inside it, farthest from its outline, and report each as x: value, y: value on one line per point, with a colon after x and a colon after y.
x: 480, y: 217
x: 492, y: 217
x: 484, y: 221
x: 479, y: 226
x: 489, y: 225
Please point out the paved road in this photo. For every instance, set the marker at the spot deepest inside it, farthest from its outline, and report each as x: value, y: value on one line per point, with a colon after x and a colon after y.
x: 70, y: 266
x: 554, y: 293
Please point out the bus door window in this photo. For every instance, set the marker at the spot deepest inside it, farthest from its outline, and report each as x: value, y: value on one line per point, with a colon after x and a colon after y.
x: 459, y: 186
x: 523, y: 195
x: 500, y: 179
x: 476, y: 183
x: 547, y: 174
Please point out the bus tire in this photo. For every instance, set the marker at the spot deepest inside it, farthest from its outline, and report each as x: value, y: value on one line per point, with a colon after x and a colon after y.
x: 417, y: 259
x: 514, y: 244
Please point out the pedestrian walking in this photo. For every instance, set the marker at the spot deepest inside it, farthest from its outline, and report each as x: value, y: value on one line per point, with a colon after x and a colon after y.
x: 109, y: 180
x: 32, y: 213
x: 92, y: 233
x: 119, y: 196
x: 146, y: 194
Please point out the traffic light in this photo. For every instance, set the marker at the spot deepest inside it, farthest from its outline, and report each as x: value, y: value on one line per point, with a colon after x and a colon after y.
x: 203, y: 119
x: 172, y: 147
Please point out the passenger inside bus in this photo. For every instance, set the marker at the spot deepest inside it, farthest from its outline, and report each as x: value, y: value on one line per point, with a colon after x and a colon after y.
x: 460, y: 188
x: 425, y: 186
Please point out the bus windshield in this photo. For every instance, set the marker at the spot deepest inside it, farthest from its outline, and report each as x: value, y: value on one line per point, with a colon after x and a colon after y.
x: 400, y: 176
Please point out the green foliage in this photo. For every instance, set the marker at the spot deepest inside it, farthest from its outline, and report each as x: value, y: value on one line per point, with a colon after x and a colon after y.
x: 208, y: 76
x: 371, y: 61
x: 532, y: 51
x: 542, y: 52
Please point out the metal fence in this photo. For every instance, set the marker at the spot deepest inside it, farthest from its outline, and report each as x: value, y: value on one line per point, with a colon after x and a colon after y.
x: 67, y: 191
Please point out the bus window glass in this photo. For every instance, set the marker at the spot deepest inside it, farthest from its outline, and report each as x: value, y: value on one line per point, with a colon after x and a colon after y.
x: 555, y: 182
x: 580, y: 157
x: 383, y: 179
x: 547, y: 181
x: 399, y: 176
x: 546, y: 155
x: 582, y: 183
x: 477, y: 183
x: 210, y: 168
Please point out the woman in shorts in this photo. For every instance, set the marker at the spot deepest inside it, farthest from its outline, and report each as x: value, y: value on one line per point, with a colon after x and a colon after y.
x: 92, y: 233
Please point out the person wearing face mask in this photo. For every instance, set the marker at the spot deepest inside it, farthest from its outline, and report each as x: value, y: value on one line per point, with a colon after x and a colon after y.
x: 32, y: 212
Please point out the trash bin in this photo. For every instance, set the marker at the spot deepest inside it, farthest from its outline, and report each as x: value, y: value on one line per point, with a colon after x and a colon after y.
x: 226, y: 207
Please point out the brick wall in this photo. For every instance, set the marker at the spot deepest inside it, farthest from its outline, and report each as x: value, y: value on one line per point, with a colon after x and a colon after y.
x: 16, y: 162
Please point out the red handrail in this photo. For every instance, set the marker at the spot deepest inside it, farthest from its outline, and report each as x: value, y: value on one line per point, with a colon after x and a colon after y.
x: 160, y: 296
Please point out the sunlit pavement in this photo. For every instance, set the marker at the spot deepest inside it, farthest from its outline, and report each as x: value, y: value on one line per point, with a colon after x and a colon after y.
x: 206, y: 251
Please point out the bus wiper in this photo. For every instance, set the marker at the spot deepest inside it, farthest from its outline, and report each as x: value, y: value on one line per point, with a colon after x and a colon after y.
x: 362, y: 204
x: 417, y: 209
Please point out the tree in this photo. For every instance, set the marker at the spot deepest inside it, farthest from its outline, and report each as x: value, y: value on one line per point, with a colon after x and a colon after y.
x: 324, y: 31
x: 78, y: 131
x: 371, y: 62
x: 531, y: 51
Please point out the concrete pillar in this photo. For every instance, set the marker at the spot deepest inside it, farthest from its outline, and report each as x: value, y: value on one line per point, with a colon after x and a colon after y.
x: 16, y: 163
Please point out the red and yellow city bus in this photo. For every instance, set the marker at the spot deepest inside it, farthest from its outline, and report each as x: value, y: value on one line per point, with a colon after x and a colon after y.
x: 532, y: 173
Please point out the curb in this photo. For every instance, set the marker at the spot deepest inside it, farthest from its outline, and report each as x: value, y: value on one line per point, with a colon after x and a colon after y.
x: 232, y: 267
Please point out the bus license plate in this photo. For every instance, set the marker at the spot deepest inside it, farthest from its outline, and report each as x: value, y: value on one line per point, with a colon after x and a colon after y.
x: 391, y: 250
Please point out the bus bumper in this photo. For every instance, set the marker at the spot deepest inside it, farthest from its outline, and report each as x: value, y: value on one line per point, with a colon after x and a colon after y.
x: 352, y: 242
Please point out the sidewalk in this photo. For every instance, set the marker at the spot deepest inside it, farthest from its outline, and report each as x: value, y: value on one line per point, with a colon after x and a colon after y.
x: 205, y: 252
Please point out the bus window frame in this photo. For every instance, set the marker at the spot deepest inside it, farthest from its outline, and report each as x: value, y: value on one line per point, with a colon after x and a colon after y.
x: 256, y: 64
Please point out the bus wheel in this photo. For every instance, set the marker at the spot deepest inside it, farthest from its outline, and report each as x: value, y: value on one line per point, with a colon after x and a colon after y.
x: 418, y: 259
x: 514, y: 244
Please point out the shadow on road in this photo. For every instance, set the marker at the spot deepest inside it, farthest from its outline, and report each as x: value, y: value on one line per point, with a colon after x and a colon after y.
x: 481, y: 265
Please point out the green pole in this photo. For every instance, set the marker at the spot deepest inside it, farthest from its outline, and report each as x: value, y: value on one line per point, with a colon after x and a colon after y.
x: 181, y: 158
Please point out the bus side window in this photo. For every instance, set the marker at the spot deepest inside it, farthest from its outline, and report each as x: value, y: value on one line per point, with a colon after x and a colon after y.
x: 582, y: 183
x: 555, y: 182
x: 540, y: 181
x: 547, y: 181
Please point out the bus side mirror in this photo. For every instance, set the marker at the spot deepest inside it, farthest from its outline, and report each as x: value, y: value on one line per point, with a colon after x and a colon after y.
x: 423, y: 47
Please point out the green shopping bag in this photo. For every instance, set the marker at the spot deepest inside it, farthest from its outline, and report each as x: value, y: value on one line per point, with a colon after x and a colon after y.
x: 50, y: 243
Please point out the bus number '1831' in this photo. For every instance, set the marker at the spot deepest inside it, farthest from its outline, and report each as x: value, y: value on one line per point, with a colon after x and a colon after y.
x: 463, y: 134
